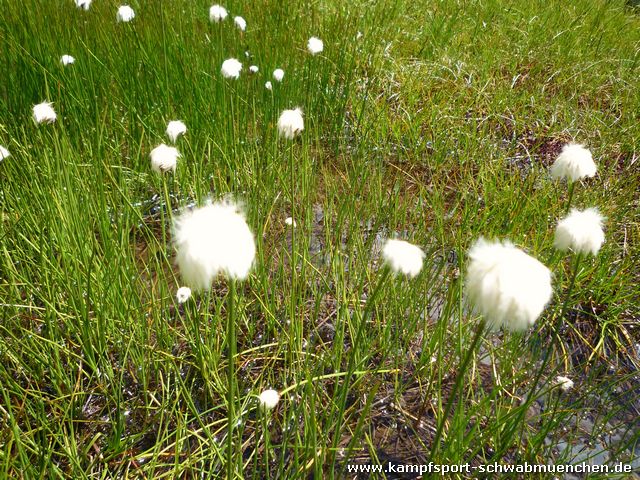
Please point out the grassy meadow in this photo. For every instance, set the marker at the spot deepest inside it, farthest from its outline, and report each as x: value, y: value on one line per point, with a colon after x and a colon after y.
x: 433, y: 121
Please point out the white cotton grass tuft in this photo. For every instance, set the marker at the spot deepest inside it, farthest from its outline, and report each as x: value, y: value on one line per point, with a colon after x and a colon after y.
x: 290, y: 221
x: 507, y: 286
x: 580, y: 231
x: 4, y: 153
x: 231, y: 68
x: 44, y: 113
x: 403, y: 257
x: 67, y: 60
x: 125, y: 14
x: 84, y: 4
x: 211, y: 240
x: 217, y: 13
x: 164, y: 158
x: 574, y: 163
x: 315, y: 45
x: 175, y: 128
x: 183, y: 294
x: 253, y: 69
x: 290, y: 123
x: 565, y: 383
x: 268, y: 85
x: 241, y: 23
x: 278, y: 74
x: 269, y: 399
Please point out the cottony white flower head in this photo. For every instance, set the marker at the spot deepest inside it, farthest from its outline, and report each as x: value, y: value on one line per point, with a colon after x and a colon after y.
x: 175, y: 128
x: 241, y: 23
x: 4, y: 153
x: 573, y: 163
x: 84, y: 4
x: 164, y: 158
x: 231, y: 68
x: 268, y: 85
x: 125, y: 14
x: 291, y: 222
x: 67, y: 60
x: 269, y: 399
x: 217, y: 13
x: 278, y: 74
x: 290, y: 123
x: 211, y: 240
x: 564, y: 383
x: 507, y: 286
x: 403, y: 257
x: 315, y: 45
x: 580, y: 231
x: 253, y: 69
x: 44, y: 113
x: 183, y: 294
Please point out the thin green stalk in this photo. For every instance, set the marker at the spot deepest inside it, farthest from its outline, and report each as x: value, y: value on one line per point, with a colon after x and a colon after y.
x: 574, y: 275
x: 572, y: 186
x: 459, y: 378
x: 265, y: 416
x: 297, y: 331
x: 231, y: 383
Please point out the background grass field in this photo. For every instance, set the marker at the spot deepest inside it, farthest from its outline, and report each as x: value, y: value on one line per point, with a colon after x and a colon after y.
x: 432, y: 121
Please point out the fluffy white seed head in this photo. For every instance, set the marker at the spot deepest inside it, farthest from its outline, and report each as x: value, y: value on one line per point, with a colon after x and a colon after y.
x: 290, y: 221
x: 183, y: 294
x: 565, y: 383
x: 507, y: 286
x: 231, y: 68
x: 574, y: 163
x: 125, y: 14
x: 164, y: 158
x: 290, y: 123
x: 269, y: 399
x: 175, y: 128
x: 212, y: 240
x: 403, y: 257
x: 44, y: 113
x: 315, y: 45
x: 580, y: 231
x: 84, y: 4
x: 217, y: 13
x: 278, y: 74
x: 67, y: 60
x: 4, y: 153
x: 241, y: 23
x: 253, y: 69
x: 268, y: 85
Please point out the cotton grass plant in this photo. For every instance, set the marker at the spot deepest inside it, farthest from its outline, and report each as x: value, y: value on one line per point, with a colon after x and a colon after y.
x: 67, y: 60
x: 210, y: 241
x: 217, y: 13
x: 175, y: 129
x: 164, y: 158
x: 44, y: 113
x: 83, y: 4
x: 278, y: 75
x: 574, y: 163
x: 125, y: 14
